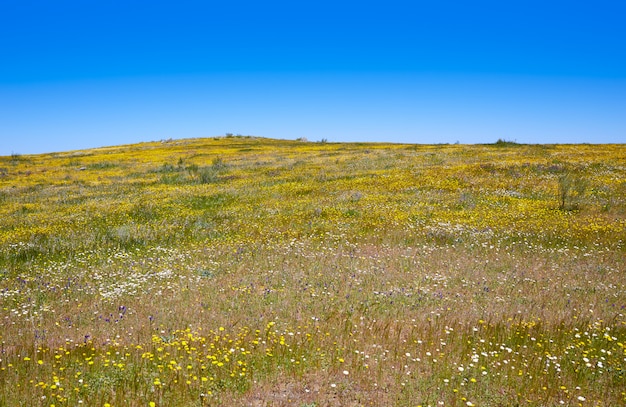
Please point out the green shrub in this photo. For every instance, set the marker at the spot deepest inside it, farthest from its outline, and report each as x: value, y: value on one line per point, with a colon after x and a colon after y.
x: 571, y: 191
x: 505, y: 143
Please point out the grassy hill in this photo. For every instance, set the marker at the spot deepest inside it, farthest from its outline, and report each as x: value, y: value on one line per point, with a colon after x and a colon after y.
x: 247, y: 271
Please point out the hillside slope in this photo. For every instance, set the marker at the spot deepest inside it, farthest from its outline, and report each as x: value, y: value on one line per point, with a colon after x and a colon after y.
x: 250, y: 271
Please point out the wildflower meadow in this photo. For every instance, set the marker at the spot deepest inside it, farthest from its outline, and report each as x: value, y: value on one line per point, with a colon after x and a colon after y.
x: 243, y: 271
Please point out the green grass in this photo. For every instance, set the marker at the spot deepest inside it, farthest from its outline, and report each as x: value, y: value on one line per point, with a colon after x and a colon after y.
x: 245, y: 271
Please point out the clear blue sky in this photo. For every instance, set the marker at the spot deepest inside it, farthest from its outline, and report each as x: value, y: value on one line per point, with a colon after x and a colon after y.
x: 79, y: 74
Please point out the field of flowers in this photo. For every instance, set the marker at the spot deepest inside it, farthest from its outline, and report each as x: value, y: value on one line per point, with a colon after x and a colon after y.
x: 250, y: 272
